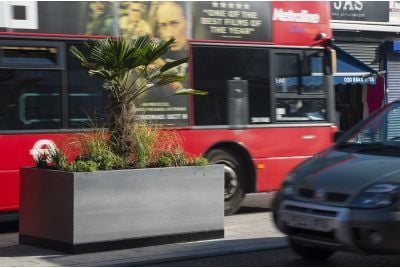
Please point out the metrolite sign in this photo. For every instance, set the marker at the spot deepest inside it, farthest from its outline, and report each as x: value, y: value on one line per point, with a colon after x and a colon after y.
x: 298, y: 23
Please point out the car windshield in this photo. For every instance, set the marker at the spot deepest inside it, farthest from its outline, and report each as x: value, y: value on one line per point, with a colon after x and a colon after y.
x: 379, y: 132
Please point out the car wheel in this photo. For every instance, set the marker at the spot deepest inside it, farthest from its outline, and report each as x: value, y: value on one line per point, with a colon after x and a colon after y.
x: 310, y: 253
x: 234, y: 178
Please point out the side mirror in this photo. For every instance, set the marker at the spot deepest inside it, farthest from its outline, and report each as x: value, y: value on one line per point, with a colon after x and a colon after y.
x: 337, y: 135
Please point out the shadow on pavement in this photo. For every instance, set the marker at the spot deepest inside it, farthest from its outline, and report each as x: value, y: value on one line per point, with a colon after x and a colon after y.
x: 244, y: 210
x: 8, y: 227
x: 27, y: 256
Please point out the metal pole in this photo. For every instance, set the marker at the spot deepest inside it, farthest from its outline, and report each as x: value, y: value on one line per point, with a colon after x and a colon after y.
x: 330, y: 106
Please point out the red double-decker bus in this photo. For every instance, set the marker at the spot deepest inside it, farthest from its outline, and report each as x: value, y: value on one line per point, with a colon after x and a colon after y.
x: 270, y: 101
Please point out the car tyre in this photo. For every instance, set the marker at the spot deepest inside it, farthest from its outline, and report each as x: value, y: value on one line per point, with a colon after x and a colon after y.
x: 309, y: 252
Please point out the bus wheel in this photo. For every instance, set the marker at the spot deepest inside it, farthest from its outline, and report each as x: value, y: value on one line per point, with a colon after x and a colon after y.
x: 234, y: 181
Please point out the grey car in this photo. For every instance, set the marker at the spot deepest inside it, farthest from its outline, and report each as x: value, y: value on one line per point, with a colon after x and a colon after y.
x: 348, y: 196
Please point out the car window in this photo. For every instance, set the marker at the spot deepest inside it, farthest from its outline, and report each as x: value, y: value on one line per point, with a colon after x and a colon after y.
x: 383, y: 128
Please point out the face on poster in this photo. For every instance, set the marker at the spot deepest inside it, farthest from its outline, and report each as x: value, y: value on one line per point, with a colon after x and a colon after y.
x: 162, y: 20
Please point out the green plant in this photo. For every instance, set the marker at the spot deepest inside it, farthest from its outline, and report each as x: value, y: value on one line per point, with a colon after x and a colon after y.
x: 95, y: 147
x: 199, y: 161
x: 153, y: 147
x: 167, y: 149
x: 128, y: 70
x: 163, y: 159
x: 177, y: 158
x: 144, y: 138
x: 54, y: 159
x: 95, y: 154
x: 82, y: 166
x: 59, y: 160
x: 156, y: 147
x: 40, y: 161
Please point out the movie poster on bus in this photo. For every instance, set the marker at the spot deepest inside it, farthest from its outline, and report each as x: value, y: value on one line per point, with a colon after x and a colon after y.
x: 161, y: 20
x: 232, y: 20
x: 99, y: 19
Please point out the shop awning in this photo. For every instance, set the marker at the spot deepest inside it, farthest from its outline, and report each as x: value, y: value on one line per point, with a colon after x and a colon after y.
x: 349, y: 70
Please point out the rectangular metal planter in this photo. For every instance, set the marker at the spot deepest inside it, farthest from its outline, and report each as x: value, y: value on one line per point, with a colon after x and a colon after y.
x: 104, y: 210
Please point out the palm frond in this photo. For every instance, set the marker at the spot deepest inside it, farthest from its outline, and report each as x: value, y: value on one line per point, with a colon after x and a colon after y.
x: 143, y: 42
x: 124, y: 65
x: 157, y: 50
x: 78, y: 54
x: 190, y: 91
x: 168, y: 79
x: 173, y: 64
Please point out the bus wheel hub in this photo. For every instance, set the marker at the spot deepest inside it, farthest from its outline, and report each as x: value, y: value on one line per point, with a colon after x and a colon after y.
x: 231, y: 182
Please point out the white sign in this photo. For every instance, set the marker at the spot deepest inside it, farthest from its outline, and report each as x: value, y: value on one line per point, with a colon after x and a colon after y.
x: 19, y: 15
x: 290, y: 16
x: 42, y: 147
x: 394, y: 12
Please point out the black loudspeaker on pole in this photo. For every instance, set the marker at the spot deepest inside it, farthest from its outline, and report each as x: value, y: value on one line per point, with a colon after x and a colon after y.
x: 238, y: 103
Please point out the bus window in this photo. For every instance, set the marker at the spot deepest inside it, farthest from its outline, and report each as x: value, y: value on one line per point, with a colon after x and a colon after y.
x: 29, y: 55
x: 214, y: 66
x: 31, y: 99
x: 314, y: 83
x: 300, y: 110
x: 287, y: 68
x: 287, y: 84
x: 257, y: 75
x: 301, y: 96
x: 87, y: 100
x: 211, y: 73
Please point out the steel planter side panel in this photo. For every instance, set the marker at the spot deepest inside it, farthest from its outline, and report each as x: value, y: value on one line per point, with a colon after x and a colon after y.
x: 149, y: 202
x: 46, y: 204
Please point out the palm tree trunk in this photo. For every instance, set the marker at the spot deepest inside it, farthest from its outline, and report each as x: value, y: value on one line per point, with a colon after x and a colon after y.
x: 122, y: 116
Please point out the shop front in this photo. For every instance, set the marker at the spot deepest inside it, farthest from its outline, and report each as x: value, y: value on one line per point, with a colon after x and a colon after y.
x: 359, y: 90
x: 391, y: 56
x: 360, y: 28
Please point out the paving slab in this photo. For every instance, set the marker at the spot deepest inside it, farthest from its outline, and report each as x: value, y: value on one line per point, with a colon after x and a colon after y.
x: 243, y: 233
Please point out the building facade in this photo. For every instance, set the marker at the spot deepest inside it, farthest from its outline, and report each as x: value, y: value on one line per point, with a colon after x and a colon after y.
x: 368, y: 31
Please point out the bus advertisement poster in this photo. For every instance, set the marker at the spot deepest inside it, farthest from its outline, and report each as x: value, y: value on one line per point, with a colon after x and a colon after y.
x: 238, y: 21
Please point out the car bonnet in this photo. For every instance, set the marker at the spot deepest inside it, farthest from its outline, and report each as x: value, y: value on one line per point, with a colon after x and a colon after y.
x: 344, y: 172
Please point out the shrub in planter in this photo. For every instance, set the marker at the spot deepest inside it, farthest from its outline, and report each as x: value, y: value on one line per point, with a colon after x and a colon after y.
x: 117, y: 192
x: 129, y: 70
x: 153, y: 147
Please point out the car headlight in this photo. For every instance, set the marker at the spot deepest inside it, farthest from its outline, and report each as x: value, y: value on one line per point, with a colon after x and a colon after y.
x: 287, y: 185
x: 377, y: 196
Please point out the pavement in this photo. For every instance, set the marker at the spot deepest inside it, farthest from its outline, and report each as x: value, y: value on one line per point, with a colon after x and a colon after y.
x: 245, y: 232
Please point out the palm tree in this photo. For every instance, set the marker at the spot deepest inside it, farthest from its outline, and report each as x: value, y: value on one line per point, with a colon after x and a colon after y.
x: 128, y: 69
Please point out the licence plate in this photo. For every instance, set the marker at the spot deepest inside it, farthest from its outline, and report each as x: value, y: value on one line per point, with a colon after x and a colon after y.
x: 306, y: 222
